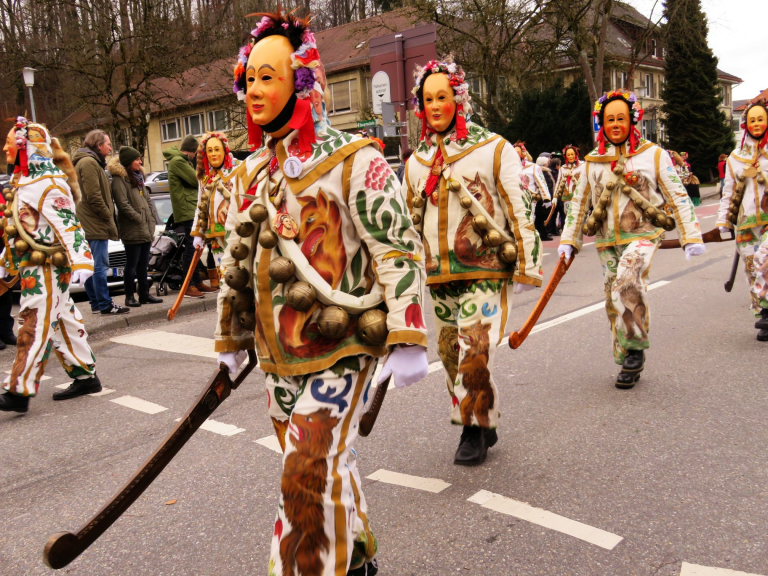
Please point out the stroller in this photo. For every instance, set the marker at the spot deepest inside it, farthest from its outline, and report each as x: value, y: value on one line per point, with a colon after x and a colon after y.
x: 165, y: 261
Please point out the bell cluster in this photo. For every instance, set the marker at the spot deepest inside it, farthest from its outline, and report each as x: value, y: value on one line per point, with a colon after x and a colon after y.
x: 738, y: 196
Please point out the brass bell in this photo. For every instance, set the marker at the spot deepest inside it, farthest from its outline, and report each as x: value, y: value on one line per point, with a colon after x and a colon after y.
x: 598, y: 213
x: 669, y: 224
x: 508, y: 252
x: 247, y: 320
x: 416, y: 218
x: 454, y: 185
x: 480, y: 223
x: 8, y: 196
x: 236, y: 277
x: 333, y: 322
x: 466, y: 202
x: 301, y: 296
x: 372, y: 327
x: 239, y: 251
x: 268, y: 239
x: 37, y: 258
x: 242, y: 300
x: 10, y: 230
x: 21, y: 246
x: 627, y: 190
x: 493, y: 238
x: 742, y: 177
x: 258, y: 213
x: 618, y: 170
x: 732, y: 219
x: 651, y: 212
x: 418, y: 202
x: 59, y: 259
x: 8, y: 213
x: 760, y: 179
x: 536, y: 197
x: 592, y: 222
x: 610, y: 185
x: 604, y: 200
x: 281, y: 270
x: 202, y: 207
x: 3, y: 206
x: 245, y: 229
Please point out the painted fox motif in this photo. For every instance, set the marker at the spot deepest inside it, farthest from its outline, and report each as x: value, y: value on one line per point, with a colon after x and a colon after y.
x: 467, y: 244
x: 475, y: 375
x: 632, y: 219
x: 628, y: 285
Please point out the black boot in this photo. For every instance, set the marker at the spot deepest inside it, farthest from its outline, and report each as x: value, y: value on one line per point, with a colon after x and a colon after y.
x: 79, y: 388
x: 761, y: 324
x: 149, y: 299
x: 490, y: 437
x: 472, y: 448
x: 634, y: 362
x: 9, y: 339
x: 130, y: 301
x: 12, y: 403
x: 762, y: 336
x: 368, y: 569
x: 2, y: 345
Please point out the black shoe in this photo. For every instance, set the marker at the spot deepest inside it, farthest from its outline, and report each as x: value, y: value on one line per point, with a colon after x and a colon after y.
x: 368, y: 569
x: 81, y: 387
x: 12, y: 403
x: 131, y: 301
x: 490, y: 436
x: 472, y: 449
x: 634, y: 362
x: 149, y: 299
x: 115, y: 309
x: 761, y: 324
x: 546, y: 238
x: 762, y: 336
x: 9, y: 339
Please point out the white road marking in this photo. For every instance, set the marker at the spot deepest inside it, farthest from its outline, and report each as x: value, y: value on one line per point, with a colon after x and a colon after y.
x: 696, y: 570
x: 218, y: 427
x: 705, y: 217
x: 42, y: 378
x: 104, y: 391
x: 587, y: 244
x: 169, y: 342
x: 417, y: 482
x: 545, y: 254
x: 546, y: 519
x: 139, y: 404
x: 270, y: 442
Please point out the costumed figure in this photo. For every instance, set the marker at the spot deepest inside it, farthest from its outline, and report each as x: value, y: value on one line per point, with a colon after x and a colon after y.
x: 323, y: 274
x: 476, y: 222
x: 532, y: 181
x: 568, y: 178
x: 634, y: 194
x: 744, y: 207
x: 216, y: 168
x: 45, y: 247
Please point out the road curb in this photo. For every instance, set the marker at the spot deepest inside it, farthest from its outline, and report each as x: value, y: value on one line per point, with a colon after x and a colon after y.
x: 158, y: 312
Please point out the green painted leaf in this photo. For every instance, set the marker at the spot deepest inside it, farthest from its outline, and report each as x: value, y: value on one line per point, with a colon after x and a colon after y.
x: 404, y: 283
x: 357, y: 267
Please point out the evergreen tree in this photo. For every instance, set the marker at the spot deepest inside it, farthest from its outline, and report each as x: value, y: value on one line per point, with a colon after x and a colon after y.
x: 693, y: 121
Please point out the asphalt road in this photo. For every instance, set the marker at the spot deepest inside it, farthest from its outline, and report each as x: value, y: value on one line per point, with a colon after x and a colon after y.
x: 665, y: 479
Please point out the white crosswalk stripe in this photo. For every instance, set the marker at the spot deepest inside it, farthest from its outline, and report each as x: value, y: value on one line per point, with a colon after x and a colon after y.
x: 696, y: 570
x: 139, y: 404
x: 433, y: 485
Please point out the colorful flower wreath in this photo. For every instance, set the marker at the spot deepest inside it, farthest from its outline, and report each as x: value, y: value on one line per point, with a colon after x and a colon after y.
x: 634, y: 107
x: 460, y: 90
x: 227, y: 164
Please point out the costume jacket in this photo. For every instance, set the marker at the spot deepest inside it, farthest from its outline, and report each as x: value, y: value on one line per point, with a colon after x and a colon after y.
x: 657, y: 182
x: 353, y: 230
x: 489, y: 168
x: 751, y: 163
x: 532, y: 179
x: 569, y: 177
x: 218, y: 185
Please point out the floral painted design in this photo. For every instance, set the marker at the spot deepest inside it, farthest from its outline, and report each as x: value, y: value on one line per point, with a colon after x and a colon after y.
x: 63, y: 277
x: 29, y: 282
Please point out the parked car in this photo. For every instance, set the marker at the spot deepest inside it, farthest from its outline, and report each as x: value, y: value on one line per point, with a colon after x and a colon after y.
x: 157, y: 182
x: 4, y: 179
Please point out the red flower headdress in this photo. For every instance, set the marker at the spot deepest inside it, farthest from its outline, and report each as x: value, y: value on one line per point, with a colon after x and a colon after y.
x: 636, y: 117
x: 204, y: 157
x: 460, y: 89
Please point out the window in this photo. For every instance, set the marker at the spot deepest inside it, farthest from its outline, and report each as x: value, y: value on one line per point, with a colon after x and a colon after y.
x: 170, y: 130
x: 194, y: 125
x: 475, y: 85
x: 623, y: 79
x: 343, y: 97
x: 654, y: 48
x: 650, y: 86
x: 218, y: 120
x: 726, y: 95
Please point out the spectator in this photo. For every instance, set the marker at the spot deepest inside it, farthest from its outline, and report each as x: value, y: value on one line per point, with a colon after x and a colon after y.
x: 136, y: 218
x: 7, y: 336
x: 96, y: 212
x: 401, y: 169
x: 721, y: 171
x: 553, y: 229
x: 182, y: 181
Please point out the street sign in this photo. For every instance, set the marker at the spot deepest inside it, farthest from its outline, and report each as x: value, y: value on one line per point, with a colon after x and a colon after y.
x: 367, y: 123
x: 380, y: 89
x: 595, y: 125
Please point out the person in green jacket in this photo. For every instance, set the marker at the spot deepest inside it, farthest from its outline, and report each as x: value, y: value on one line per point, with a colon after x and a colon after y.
x: 136, y: 218
x: 182, y: 181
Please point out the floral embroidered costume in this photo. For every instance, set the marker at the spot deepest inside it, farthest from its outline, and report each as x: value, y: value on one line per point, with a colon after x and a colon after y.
x: 568, y: 178
x: 44, y: 245
x: 464, y: 192
x: 630, y: 186
x: 320, y: 242
x: 744, y: 207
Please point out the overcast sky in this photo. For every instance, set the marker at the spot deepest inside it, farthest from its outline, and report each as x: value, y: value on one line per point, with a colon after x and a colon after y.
x: 736, y: 36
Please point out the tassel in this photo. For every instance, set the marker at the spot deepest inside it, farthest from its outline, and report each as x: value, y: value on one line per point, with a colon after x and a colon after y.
x: 601, y: 143
x: 420, y: 115
x: 303, y: 122
x: 434, y: 179
x: 461, y: 123
x: 254, y: 133
x: 23, y: 164
x: 634, y: 140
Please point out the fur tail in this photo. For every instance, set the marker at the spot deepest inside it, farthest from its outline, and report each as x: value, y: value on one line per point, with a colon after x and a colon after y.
x: 62, y: 160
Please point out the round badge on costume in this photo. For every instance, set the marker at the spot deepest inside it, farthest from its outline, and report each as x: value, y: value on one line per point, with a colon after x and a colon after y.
x: 284, y: 224
x: 292, y: 167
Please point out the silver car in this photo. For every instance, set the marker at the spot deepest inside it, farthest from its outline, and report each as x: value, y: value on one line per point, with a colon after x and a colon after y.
x: 157, y: 183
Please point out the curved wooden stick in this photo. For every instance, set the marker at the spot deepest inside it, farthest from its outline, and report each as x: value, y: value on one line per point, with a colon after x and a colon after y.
x: 368, y: 419
x: 517, y: 338
x: 551, y: 212
x: 711, y: 236
x: 192, y: 268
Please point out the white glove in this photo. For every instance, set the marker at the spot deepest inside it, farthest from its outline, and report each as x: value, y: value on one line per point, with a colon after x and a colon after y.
x: 694, y: 250
x: 520, y: 287
x: 406, y: 364
x: 724, y: 230
x: 547, y: 204
x: 80, y: 276
x: 198, y: 242
x: 566, y: 249
x: 233, y: 359
x: 2, y: 272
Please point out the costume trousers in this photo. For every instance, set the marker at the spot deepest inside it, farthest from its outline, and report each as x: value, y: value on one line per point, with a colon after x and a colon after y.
x: 48, y: 321
x: 321, y: 527
x: 470, y: 319
x: 625, y: 269
x: 752, y: 245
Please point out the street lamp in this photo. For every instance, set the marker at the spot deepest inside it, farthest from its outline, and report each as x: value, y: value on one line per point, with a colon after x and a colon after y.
x: 29, y: 81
